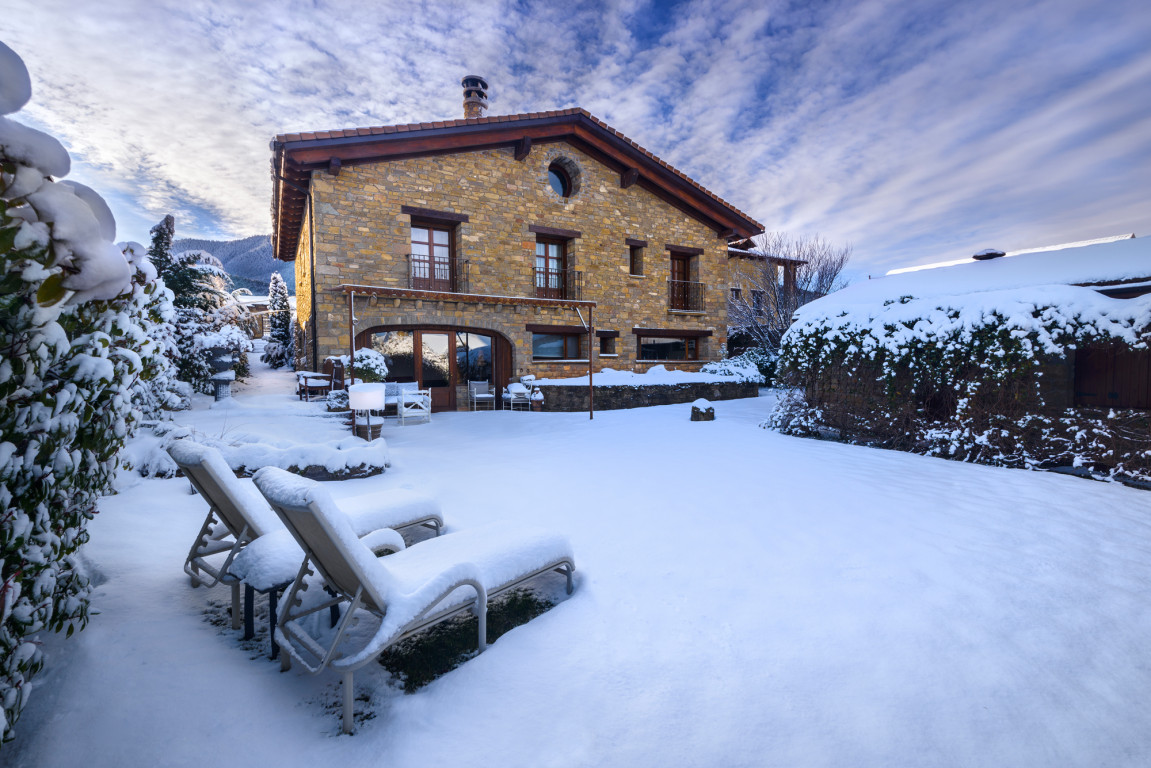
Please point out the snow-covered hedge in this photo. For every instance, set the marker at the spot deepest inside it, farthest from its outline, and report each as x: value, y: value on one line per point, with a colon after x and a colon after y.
x: 659, y: 374
x: 756, y: 365
x: 346, y: 458
x: 962, y: 376
x: 72, y: 348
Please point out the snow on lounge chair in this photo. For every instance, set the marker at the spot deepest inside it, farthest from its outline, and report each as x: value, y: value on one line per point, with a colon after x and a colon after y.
x: 239, y: 518
x: 408, y: 591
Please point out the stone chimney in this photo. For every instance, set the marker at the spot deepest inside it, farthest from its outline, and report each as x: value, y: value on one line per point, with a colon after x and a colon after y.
x: 475, y: 96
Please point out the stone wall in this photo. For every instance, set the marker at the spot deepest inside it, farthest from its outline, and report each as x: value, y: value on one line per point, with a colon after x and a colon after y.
x: 362, y: 237
x: 567, y: 398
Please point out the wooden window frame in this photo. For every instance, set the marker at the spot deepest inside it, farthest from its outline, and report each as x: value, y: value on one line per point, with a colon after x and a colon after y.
x: 571, y: 343
x: 435, y: 225
x: 691, y: 346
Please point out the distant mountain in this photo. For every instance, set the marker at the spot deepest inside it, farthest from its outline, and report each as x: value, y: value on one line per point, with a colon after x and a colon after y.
x: 249, y: 261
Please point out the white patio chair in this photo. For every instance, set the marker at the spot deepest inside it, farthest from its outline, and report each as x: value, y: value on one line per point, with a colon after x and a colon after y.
x: 517, y: 395
x: 480, y: 394
x: 408, y: 591
x: 415, y: 404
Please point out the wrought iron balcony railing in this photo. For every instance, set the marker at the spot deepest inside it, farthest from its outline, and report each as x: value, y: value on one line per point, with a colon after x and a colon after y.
x: 558, y: 284
x: 685, y: 296
x: 428, y: 273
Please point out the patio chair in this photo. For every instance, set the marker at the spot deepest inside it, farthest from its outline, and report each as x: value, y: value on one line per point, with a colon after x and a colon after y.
x: 414, y: 404
x: 408, y: 591
x: 309, y: 383
x: 239, y: 516
x: 517, y: 395
x: 480, y: 394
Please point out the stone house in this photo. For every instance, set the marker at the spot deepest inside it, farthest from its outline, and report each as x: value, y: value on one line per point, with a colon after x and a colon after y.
x: 488, y: 248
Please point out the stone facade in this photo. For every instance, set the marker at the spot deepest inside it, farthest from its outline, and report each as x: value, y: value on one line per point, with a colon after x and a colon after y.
x: 356, y: 233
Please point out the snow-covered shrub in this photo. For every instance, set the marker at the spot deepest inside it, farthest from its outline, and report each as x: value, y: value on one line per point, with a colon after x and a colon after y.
x: 755, y: 365
x: 963, y: 377
x: 156, y: 389
x: 71, y: 348
x: 337, y: 400
x: 278, y: 350
x: 370, y: 365
x: 204, y: 306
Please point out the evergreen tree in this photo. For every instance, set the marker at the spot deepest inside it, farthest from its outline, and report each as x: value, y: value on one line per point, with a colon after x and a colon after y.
x: 278, y: 350
x: 160, y: 252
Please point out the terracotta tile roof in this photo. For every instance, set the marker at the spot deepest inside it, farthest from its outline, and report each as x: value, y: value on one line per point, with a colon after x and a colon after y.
x: 574, y: 111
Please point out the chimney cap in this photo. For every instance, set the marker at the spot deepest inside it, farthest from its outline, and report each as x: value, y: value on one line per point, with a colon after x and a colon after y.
x: 473, y: 81
x: 988, y: 253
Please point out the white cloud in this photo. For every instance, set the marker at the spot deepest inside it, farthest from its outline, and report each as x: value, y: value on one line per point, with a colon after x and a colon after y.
x: 917, y: 131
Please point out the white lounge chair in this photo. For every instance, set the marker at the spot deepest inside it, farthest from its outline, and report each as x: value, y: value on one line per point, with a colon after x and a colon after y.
x: 239, y: 518
x: 408, y: 591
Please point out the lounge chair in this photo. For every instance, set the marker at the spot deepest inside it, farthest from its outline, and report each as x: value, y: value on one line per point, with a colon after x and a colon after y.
x: 408, y: 591
x: 239, y: 516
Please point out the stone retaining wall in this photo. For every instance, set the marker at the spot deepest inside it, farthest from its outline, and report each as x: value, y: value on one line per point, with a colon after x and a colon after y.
x: 567, y: 398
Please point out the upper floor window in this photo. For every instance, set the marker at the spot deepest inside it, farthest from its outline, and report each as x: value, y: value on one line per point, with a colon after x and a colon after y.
x: 431, y: 259
x: 635, y: 260
x: 560, y: 180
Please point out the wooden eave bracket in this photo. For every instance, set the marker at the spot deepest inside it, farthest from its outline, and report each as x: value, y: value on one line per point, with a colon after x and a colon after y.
x: 334, y: 166
x: 628, y: 177
x: 523, y: 148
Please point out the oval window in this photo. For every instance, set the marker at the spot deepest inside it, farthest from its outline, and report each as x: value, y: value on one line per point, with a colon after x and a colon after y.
x: 559, y: 180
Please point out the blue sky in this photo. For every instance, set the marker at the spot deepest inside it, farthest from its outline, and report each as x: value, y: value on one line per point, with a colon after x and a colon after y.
x: 916, y: 131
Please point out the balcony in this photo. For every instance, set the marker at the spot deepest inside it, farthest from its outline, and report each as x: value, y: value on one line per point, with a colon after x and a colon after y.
x: 558, y: 284
x: 427, y: 273
x: 685, y: 296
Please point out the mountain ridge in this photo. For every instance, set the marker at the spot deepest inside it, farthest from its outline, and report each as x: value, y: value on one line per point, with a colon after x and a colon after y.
x: 248, y: 260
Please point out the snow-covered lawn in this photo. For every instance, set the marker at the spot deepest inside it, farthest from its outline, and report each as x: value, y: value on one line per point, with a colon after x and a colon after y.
x: 743, y: 598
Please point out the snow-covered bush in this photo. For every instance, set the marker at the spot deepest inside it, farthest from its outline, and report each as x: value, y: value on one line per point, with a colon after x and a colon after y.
x: 370, y: 365
x: 204, y: 307
x: 278, y: 350
x: 755, y: 365
x: 71, y: 348
x: 156, y: 389
x: 964, y: 377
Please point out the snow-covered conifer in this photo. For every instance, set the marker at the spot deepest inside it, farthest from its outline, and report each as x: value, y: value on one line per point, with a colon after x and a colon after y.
x: 278, y: 350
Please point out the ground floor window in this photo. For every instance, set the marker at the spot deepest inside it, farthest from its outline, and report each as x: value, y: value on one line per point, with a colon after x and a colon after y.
x: 670, y: 348
x: 441, y: 358
x: 556, y: 346
x: 474, y: 357
x: 399, y: 348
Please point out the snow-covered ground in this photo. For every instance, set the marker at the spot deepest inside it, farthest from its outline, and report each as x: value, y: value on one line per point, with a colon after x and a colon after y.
x: 743, y: 599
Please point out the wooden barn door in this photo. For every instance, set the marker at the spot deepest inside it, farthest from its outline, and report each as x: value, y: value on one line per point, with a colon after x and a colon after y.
x: 1112, y: 377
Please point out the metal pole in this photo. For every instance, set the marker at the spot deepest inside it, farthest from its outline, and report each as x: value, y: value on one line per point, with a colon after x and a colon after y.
x: 352, y: 359
x: 590, y: 340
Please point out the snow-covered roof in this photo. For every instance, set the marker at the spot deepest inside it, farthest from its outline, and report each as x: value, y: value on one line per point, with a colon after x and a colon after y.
x: 1040, y: 249
x: 1110, y: 261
